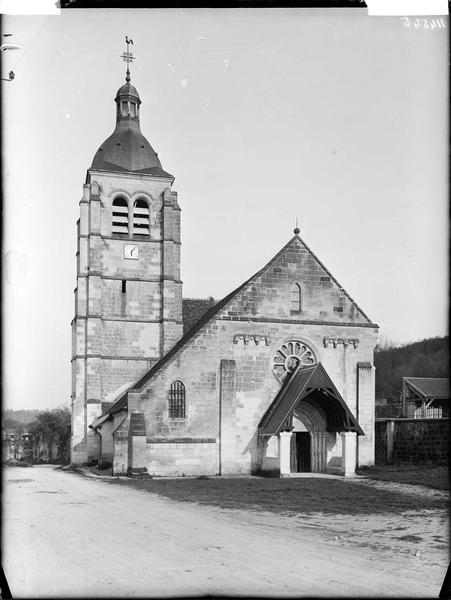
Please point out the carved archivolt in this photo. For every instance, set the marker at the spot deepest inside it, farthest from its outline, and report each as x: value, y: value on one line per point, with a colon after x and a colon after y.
x: 289, y: 355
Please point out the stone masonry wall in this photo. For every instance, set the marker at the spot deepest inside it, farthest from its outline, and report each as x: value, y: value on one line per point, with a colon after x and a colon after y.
x: 183, y: 458
x: 117, y: 375
x: 323, y: 299
x: 413, y: 441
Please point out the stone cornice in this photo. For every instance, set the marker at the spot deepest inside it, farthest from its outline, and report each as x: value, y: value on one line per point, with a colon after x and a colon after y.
x: 104, y: 357
x: 129, y: 239
x: 126, y: 319
x: 87, y: 274
x: 275, y: 320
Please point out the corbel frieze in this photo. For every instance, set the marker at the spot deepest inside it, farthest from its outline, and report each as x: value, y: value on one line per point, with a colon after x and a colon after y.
x: 345, y: 341
x: 247, y: 339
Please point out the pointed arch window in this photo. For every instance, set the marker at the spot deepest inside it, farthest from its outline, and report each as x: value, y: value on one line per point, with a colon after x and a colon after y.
x: 177, y: 401
x: 120, y: 216
x: 296, y: 298
x: 141, y: 219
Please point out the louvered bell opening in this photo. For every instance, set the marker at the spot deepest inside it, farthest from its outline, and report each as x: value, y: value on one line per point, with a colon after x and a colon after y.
x: 141, y: 219
x: 120, y: 217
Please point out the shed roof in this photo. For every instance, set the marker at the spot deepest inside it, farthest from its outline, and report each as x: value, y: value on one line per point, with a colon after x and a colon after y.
x: 432, y: 388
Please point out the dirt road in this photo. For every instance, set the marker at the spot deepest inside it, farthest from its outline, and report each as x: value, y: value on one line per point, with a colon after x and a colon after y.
x: 66, y: 535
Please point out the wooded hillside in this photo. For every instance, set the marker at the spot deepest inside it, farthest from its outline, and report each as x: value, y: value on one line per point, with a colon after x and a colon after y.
x: 427, y: 358
x: 15, y: 418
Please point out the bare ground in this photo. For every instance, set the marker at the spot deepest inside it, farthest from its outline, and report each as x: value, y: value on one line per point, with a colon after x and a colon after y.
x: 68, y: 535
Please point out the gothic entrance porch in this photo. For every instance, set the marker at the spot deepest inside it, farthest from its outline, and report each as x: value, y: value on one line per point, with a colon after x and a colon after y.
x: 306, y: 411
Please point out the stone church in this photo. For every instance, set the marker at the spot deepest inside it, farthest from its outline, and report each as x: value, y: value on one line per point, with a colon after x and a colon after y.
x: 276, y: 378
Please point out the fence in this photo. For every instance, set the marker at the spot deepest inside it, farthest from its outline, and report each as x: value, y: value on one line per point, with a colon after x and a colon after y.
x: 423, y: 413
x: 410, y: 411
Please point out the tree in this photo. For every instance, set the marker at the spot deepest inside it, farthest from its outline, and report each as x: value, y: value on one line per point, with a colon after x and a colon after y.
x: 10, y: 423
x: 426, y: 358
x: 52, y: 427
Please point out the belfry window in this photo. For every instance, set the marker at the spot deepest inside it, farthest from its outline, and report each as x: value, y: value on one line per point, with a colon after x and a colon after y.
x: 141, y: 219
x: 296, y: 298
x: 124, y: 108
x: 177, y: 401
x: 120, y: 216
x: 132, y: 109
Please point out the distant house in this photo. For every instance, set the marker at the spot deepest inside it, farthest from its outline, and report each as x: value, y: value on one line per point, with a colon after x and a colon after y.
x: 16, y: 445
x: 425, y: 397
x: 9, y: 438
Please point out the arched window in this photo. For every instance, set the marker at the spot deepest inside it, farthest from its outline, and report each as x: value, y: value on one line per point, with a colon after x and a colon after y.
x: 296, y: 298
x: 177, y: 402
x: 120, y: 216
x: 141, y: 219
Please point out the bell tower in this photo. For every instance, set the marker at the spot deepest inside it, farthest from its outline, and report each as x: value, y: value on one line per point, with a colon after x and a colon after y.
x: 128, y: 298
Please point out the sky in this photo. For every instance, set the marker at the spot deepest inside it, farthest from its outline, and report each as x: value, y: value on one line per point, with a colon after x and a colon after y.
x: 263, y: 116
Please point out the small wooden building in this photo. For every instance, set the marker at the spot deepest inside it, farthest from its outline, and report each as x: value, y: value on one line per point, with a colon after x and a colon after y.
x: 425, y: 397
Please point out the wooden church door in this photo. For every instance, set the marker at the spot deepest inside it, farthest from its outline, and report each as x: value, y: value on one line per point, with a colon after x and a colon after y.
x: 301, y: 452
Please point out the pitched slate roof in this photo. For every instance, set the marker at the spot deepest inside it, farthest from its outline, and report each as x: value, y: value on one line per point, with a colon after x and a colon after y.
x: 436, y: 388
x: 303, y: 382
x: 194, y: 309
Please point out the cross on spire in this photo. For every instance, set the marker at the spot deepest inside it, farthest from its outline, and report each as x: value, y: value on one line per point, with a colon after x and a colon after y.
x: 128, y: 57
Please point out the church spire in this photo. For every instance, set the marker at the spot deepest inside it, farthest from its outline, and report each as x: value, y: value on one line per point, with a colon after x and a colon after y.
x: 127, y: 149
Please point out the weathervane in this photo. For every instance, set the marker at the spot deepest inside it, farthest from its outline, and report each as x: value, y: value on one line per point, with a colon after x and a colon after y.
x: 128, y: 57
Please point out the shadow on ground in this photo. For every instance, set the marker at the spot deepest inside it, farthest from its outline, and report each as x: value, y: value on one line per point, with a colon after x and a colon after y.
x: 305, y: 495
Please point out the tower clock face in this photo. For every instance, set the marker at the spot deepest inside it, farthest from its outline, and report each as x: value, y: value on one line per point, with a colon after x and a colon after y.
x: 131, y: 251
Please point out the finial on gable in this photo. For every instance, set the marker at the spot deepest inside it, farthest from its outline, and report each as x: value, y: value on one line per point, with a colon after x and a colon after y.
x: 296, y: 230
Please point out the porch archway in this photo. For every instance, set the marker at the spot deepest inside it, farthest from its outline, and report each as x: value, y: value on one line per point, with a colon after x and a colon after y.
x: 309, y: 440
x: 310, y: 397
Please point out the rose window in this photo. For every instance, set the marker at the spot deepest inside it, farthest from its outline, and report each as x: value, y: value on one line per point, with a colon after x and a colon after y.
x: 289, y: 355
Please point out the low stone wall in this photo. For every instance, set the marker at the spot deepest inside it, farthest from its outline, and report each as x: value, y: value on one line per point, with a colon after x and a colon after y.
x: 414, y: 441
